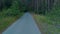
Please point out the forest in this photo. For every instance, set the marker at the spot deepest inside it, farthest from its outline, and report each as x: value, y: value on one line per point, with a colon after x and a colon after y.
x: 42, y: 6
x: 47, y: 11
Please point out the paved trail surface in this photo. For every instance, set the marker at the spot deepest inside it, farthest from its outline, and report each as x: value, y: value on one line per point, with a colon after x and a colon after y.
x: 24, y: 25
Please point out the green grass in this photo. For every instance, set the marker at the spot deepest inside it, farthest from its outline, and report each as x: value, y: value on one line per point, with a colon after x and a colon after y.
x: 47, y: 26
x: 8, y: 16
x: 50, y: 22
x: 7, y: 20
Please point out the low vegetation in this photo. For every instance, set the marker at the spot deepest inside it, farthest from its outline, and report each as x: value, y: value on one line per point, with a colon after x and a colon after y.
x: 50, y: 22
x: 8, y: 16
x: 46, y: 25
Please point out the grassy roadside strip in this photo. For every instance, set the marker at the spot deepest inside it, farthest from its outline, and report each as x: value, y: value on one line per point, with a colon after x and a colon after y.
x: 6, y: 21
x: 46, y: 25
x: 8, y: 16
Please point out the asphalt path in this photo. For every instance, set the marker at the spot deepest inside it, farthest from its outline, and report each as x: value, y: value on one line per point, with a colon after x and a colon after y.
x: 24, y: 25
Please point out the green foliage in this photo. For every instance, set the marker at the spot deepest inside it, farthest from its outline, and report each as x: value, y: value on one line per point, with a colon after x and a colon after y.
x: 13, y: 10
x: 54, y: 15
x: 8, y: 16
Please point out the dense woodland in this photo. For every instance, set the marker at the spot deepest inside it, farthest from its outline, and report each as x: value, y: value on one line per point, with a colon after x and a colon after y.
x: 11, y: 10
x: 44, y: 7
x: 40, y: 5
x: 36, y: 6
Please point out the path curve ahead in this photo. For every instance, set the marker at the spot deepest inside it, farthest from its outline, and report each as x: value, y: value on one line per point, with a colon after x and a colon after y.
x: 24, y: 25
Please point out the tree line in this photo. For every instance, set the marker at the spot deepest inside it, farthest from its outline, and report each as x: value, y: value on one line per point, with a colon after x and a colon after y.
x: 41, y: 5
x: 5, y: 3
